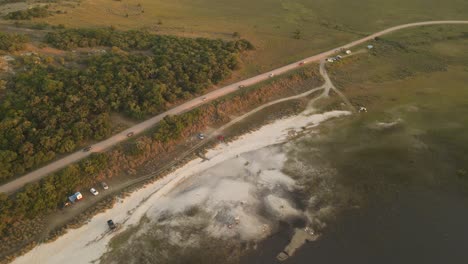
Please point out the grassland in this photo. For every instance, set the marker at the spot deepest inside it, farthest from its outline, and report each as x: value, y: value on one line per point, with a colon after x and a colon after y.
x: 269, y: 24
x: 410, y: 59
x: 416, y: 78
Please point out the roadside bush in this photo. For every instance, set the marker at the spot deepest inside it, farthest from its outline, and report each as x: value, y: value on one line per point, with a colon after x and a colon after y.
x: 37, y: 199
x: 12, y: 42
x: 38, y: 11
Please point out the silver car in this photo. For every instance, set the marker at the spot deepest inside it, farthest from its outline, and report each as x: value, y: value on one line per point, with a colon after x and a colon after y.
x: 94, y: 191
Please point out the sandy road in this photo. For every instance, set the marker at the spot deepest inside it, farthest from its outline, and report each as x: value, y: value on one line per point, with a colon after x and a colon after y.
x: 139, y: 128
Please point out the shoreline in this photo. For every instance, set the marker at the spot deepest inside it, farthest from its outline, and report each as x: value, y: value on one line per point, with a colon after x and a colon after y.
x: 149, y: 170
x: 90, y: 241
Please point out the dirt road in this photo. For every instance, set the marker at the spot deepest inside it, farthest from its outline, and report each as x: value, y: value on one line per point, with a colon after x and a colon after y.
x: 139, y: 128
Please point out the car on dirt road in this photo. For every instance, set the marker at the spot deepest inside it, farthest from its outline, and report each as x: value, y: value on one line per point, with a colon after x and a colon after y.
x: 104, y: 186
x: 111, y: 224
x: 271, y: 75
x: 93, y: 191
x: 130, y: 134
x: 87, y: 149
x: 241, y: 86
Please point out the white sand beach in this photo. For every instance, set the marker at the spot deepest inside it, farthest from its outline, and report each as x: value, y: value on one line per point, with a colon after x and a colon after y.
x: 87, y: 243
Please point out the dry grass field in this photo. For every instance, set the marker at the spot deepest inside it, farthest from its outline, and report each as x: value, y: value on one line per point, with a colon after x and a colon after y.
x: 269, y: 24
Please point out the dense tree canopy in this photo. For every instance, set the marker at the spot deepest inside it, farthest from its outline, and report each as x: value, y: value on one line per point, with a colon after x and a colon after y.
x: 134, y: 39
x: 50, y: 109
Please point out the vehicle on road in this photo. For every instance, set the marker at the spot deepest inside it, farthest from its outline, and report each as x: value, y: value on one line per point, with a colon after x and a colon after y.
x: 301, y: 63
x: 201, y: 136
x: 93, y: 191
x: 111, y: 224
x: 241, y: 86
x: 75, y: 197
x: 130, y: 134
x: 87, y: 149
x: 271, y: 75
x: 104, y: 186
x: 204, y: 99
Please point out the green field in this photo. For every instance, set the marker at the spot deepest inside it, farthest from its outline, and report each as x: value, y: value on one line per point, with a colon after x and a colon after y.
x: 411, y: 59
x: 269, y: 24
x: 418, y: 79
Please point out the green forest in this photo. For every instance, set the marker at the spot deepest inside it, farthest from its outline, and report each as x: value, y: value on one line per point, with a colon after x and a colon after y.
x: 51, y: 108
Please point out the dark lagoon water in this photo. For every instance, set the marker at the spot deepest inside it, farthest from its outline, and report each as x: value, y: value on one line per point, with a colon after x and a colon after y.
x: 406, y: 166
x: 419, y: 226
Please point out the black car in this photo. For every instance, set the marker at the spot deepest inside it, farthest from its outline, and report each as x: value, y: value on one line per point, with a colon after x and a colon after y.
x: 87, y: 149
x: 111, y: 224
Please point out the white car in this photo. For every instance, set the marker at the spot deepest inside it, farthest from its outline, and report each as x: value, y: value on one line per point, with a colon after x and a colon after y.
x: 104, y: 186
x: 94, y: 191
x: 204, y: 99
x: 271, y: 75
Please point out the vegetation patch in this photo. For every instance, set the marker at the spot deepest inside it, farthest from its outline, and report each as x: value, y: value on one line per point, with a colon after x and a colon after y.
x: 34, y: 12
x: 12, y: 42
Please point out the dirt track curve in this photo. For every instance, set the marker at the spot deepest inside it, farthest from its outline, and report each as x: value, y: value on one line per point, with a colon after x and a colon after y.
x: 139, y: 128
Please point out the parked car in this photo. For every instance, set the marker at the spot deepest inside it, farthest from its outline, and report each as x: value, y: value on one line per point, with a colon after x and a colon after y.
x: 271, y: 75
x: 204, y: 99
x: 104, y: 186
x: 201, y: 136
x: 87, y: 149
x: 241, y: 86
x: 94, y: 191
x: 301, y: 63
x: 111, y: 224
x: 130, y: 134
